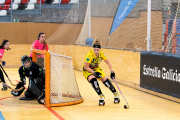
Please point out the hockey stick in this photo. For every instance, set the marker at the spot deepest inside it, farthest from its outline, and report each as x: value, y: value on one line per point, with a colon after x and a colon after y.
x: 7, y: 76
x: 125, y: 106
x: 12, y: 88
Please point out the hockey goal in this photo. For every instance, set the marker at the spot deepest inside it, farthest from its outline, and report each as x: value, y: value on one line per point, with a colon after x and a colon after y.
x: 61, y: 88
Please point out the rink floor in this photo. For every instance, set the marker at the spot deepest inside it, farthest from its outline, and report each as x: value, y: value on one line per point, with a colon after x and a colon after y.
x: 143, y: 106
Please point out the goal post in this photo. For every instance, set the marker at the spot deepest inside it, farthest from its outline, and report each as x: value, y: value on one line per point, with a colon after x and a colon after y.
x: 61, y: 87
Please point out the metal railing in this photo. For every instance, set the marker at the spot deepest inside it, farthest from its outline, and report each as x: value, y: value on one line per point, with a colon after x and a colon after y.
x: 11, y: 9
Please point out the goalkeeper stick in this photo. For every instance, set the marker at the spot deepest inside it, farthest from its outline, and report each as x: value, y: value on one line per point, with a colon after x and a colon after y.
x: 7, y: 76
x: 12, y: 88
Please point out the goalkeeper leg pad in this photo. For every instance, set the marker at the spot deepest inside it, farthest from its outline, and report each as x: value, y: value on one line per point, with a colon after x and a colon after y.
x: 28, y: 95
x: 34, y: 89
x: 40, y: 83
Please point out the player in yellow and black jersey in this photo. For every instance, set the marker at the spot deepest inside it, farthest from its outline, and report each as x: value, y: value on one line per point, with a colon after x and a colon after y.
x: 92, y: 71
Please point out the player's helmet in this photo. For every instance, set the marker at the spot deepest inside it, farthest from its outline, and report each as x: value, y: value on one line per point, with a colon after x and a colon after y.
x: 24, y: 59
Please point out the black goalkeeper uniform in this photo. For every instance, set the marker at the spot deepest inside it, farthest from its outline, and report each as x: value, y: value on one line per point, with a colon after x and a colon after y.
x: 33, y: 72
x: 36, y: 74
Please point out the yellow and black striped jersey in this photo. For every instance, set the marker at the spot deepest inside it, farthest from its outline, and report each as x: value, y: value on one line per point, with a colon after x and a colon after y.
x: 93, y: 59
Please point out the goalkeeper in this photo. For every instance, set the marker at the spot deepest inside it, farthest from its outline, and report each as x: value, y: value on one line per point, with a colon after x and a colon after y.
x: 36, y: 77
x: 92, y: 71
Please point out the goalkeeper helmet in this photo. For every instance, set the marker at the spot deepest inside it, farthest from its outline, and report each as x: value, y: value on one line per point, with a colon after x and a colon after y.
x: 24, y: 59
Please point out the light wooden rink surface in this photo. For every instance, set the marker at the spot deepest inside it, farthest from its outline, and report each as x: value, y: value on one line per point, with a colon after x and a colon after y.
x: 143, y: 106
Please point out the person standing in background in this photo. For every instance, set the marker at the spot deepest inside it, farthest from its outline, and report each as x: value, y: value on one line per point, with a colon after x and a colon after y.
x: 40, y: 44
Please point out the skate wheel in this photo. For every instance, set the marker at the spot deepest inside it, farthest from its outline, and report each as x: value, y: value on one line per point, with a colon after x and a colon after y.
x: 101, y: 103
x: 4, y: 88
x: 116, y: 101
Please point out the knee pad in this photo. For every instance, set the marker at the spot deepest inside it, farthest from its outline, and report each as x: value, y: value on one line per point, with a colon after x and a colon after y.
x: 94, y: 83
x: 108, y: 83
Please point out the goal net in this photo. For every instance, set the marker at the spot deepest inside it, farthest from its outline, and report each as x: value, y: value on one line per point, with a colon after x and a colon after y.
x: 172, y: 33
x: 95, y: 19
x: 61, y: 88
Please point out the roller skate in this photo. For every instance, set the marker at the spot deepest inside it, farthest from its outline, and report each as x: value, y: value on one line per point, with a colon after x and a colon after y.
x: 101, y: 100
x: 116, y: 98
x: 4, y: 87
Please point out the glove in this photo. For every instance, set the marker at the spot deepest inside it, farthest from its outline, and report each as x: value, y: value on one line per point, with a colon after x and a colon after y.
x: 112, y: 75
x: 15, y: 93
x: 3, y: 63
x: 18, y: 93
x: 4, y: 85
x: 97, y: 74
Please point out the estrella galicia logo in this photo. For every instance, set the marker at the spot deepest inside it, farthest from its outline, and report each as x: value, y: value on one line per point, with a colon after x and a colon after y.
x: 164, y: 73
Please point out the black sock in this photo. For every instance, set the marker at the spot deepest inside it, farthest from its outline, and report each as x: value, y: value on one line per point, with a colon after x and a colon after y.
x: 108, y: 84
x: 2, y: 76
x: 95, y: 85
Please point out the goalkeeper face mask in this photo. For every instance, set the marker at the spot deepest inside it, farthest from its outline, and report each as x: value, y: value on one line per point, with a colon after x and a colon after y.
x: 27, y: 64
x: 26, y: 61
